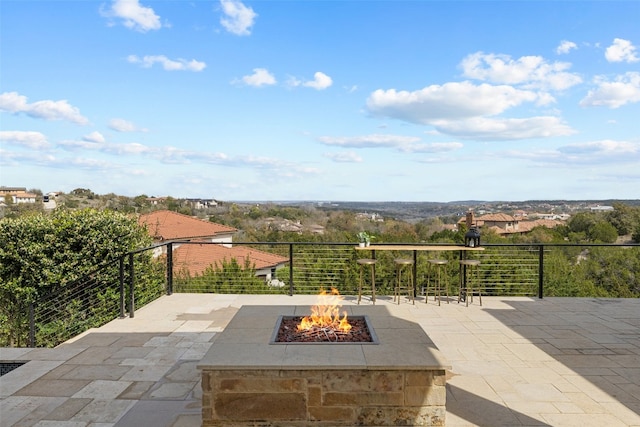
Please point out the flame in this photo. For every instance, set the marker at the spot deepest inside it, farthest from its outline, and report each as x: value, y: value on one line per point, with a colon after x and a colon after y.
x: 326, y: 313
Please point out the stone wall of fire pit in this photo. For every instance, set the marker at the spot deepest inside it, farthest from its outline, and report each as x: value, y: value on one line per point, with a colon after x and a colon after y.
x: 247, y: 381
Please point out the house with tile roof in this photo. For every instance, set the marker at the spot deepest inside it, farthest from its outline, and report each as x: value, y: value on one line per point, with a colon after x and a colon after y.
x: 502, y: 223
x: 168, y: 226
x: 23, y: 197
x: 196, y: 258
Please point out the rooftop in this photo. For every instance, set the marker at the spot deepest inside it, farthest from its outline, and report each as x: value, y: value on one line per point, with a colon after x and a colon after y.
x: 515, y: 362
x: 169, y: 225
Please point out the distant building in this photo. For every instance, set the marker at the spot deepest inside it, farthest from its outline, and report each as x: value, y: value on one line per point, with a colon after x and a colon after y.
x: 504, y: 224
x: 202, y: 203
x: 601, y: 208
x: 10, y: 190
x: 19, y: 196
x: 156, y: 200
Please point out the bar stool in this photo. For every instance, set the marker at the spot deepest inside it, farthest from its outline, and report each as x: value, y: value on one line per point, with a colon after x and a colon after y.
x: 364, y: 262
x: 469, y: 280
x: 436, y: 281
x: 404, y: 279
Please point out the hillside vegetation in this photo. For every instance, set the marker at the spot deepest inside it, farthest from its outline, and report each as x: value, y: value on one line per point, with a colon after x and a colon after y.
x: 43, y: 251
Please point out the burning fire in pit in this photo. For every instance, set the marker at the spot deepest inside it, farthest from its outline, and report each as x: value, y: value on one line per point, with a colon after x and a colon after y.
x: 324, y: 325
x: 326, y: 313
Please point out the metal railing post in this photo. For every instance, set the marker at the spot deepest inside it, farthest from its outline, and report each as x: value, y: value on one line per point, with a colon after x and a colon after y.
x: 290, y: 269
x: 540, y: 271
x: 121, y: 273
x: 32, y: 326
x: 170, y: 268
x: 131, y: 283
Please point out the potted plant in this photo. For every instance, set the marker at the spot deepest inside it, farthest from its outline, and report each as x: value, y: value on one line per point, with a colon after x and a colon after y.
x: 365, y: 238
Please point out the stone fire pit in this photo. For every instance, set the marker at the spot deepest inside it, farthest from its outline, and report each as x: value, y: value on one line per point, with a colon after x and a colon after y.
x: 248, y: 381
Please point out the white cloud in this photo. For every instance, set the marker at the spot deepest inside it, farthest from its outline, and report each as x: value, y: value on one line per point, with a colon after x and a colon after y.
x: 122, y: 125
x: 407, y: 144
x: 260, y: 77
x: 600, y: 153
x: 238, y: 18
x: 81, y: 145
x: 621, y: 51
x: 29, y: 139
x: 168, y: 64
x: 92, y: 164
x: 94, y: 136
x: 613, y: 94
x: 449, y: 101
x: 344, y: 157
x: 369, y: 141
x: 134, y: 15
x: 434, y: 147
x: 15, y: 103
x: 489, y: 129
x: 320, y: 81
x: 528, y: 71
x: 464, y: 110
x: 565, y: 47
x: 605, y: 147
x: 133, y: 148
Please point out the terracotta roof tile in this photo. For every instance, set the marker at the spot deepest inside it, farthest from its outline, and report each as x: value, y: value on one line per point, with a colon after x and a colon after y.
x: 497, y: 217
x: 169, y: 225
x: 197, y: 257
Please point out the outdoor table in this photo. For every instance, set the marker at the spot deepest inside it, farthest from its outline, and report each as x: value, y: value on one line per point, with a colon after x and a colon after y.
x: 415, y: 248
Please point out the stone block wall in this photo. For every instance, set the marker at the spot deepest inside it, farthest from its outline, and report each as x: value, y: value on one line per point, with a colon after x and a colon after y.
x: 345, y: 397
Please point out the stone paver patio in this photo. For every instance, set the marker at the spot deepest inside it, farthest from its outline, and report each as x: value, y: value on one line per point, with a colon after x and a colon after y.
x: 515, y: 362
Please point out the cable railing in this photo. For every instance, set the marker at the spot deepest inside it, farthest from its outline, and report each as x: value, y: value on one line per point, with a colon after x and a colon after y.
x: 117, y: 288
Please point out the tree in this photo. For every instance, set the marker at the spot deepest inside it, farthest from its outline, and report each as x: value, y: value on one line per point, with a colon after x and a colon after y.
x: 603, y: 231
x: 581, y: 222
x: 621, y: 218
x: 41, y: 254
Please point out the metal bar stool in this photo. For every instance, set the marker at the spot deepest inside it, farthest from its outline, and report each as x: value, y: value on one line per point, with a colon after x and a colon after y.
x: 404, y: 279
x: 364, y: 262
x: 469, y: 280
x: 437, y: 281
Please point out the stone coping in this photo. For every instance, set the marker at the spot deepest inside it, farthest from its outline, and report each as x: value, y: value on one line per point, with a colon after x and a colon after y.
x: 244, y: 344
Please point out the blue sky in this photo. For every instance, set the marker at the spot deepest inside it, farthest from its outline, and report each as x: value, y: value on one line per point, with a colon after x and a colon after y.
x: 322, y: 100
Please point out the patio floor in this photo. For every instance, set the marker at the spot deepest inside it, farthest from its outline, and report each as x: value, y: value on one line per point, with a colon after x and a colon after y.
x: 516, y: 362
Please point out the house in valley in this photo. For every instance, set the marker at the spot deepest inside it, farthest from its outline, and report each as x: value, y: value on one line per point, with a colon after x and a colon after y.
x: 504, y: 224
x: 200, y: 244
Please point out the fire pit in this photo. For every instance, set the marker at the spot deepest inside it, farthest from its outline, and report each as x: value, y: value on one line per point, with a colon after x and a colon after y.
x: 248, y: 381
x: 287, y: 332
x: 324, y: 325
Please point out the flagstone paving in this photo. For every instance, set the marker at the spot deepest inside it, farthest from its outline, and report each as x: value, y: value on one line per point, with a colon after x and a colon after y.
x: 515, y: 362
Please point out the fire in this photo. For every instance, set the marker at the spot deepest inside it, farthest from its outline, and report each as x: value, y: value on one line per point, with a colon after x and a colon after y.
x: 326, y: 313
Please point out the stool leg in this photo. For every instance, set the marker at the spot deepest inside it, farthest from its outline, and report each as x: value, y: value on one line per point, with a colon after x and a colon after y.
x: 446, y: 285
x: 398, y: 281
x: 360, y: 285
x: 460, y: 284
x: 373, y: 284
x: 439, y: 283
x: 478, y: 285
x: 409, y: 281
x: 412, y: 288
x: 427, y: 285
x: 467, y: 295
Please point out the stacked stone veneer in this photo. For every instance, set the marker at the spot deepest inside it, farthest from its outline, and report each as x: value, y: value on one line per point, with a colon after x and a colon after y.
x: 246, y: 381
x: 333, y: 398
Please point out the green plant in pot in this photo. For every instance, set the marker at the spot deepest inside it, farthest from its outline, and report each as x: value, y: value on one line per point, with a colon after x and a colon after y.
x: 365, y: 238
